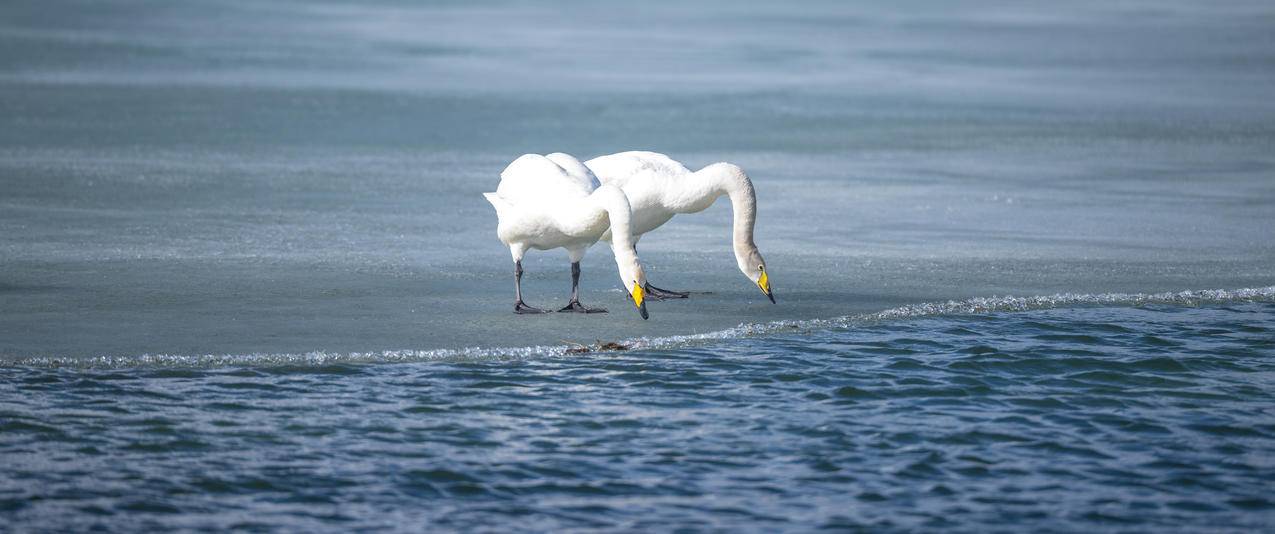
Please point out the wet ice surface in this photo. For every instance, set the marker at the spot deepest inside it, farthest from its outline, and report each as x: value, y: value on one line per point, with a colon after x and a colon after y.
x: 280, y: 178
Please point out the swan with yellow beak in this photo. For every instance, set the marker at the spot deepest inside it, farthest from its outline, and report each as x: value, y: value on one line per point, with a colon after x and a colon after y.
x: 660, y: 187
x: 554, y: 201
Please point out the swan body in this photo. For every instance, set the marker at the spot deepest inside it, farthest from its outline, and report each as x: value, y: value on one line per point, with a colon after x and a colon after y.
x: 554, y: 201
x: 659, y: 187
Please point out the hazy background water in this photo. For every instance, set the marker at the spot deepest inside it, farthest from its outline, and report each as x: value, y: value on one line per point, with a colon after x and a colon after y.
x: 194, y: 193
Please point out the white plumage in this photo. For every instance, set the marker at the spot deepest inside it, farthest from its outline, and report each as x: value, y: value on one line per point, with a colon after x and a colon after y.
x: 659, y: 187
x: 554, y: 201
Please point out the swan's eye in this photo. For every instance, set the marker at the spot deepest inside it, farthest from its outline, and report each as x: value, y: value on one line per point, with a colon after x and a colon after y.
x: 761, y: 267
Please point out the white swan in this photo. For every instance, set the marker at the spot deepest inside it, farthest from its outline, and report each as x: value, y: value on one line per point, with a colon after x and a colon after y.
x: 548, y: 202
x: 659, y: 187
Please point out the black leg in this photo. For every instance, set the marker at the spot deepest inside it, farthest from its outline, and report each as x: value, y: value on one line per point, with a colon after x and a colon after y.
x: 521, y: 307
x: 574, y: 305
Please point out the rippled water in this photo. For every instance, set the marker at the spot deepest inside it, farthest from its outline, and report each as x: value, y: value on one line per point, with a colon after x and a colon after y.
x: 1155, y: 417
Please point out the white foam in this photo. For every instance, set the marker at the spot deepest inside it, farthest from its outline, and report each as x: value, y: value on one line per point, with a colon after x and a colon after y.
x: 978, y: 305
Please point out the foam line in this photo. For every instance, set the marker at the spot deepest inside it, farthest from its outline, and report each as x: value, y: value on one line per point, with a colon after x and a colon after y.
x: 976, y: 306
x: 973, y: 306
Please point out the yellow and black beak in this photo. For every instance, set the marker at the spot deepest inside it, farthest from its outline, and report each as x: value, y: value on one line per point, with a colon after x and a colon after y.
x: 639, y: 299
x: 764, y: 284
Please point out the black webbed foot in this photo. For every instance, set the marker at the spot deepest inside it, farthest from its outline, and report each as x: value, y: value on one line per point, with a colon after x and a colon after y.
x: 664, y: 294
x: 576, y: 307
x: 521, y: 308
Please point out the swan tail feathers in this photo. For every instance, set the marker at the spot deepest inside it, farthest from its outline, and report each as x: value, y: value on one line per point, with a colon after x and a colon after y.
x: 498, y: 202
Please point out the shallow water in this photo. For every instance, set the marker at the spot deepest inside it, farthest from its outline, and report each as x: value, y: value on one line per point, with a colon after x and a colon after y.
x: 1154, y: 417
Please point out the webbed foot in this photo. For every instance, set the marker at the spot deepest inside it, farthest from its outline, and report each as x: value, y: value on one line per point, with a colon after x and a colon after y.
x: 521, y: 308
x: 664, y: 294
x: 576, y: 307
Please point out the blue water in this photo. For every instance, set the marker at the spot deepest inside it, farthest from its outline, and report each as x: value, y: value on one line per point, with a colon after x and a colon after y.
x: 1152, y: 417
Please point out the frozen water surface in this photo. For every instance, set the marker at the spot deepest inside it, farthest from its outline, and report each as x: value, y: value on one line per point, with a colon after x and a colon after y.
x: 266, y: 178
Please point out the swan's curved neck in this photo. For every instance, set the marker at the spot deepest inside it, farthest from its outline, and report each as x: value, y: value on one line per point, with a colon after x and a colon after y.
x: 620, y: 214
x: 730, y: 180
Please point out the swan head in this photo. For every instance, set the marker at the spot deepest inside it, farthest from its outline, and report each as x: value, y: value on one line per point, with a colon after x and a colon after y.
x: 634, y: 280
x: 754, y: 267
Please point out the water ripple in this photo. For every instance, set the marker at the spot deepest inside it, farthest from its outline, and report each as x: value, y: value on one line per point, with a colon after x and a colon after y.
x: 1146, y: 416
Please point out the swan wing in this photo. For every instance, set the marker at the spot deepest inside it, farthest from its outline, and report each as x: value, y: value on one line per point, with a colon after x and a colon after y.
x: 618, y: 169
x: 577, y: 171
x: 536, y: 179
